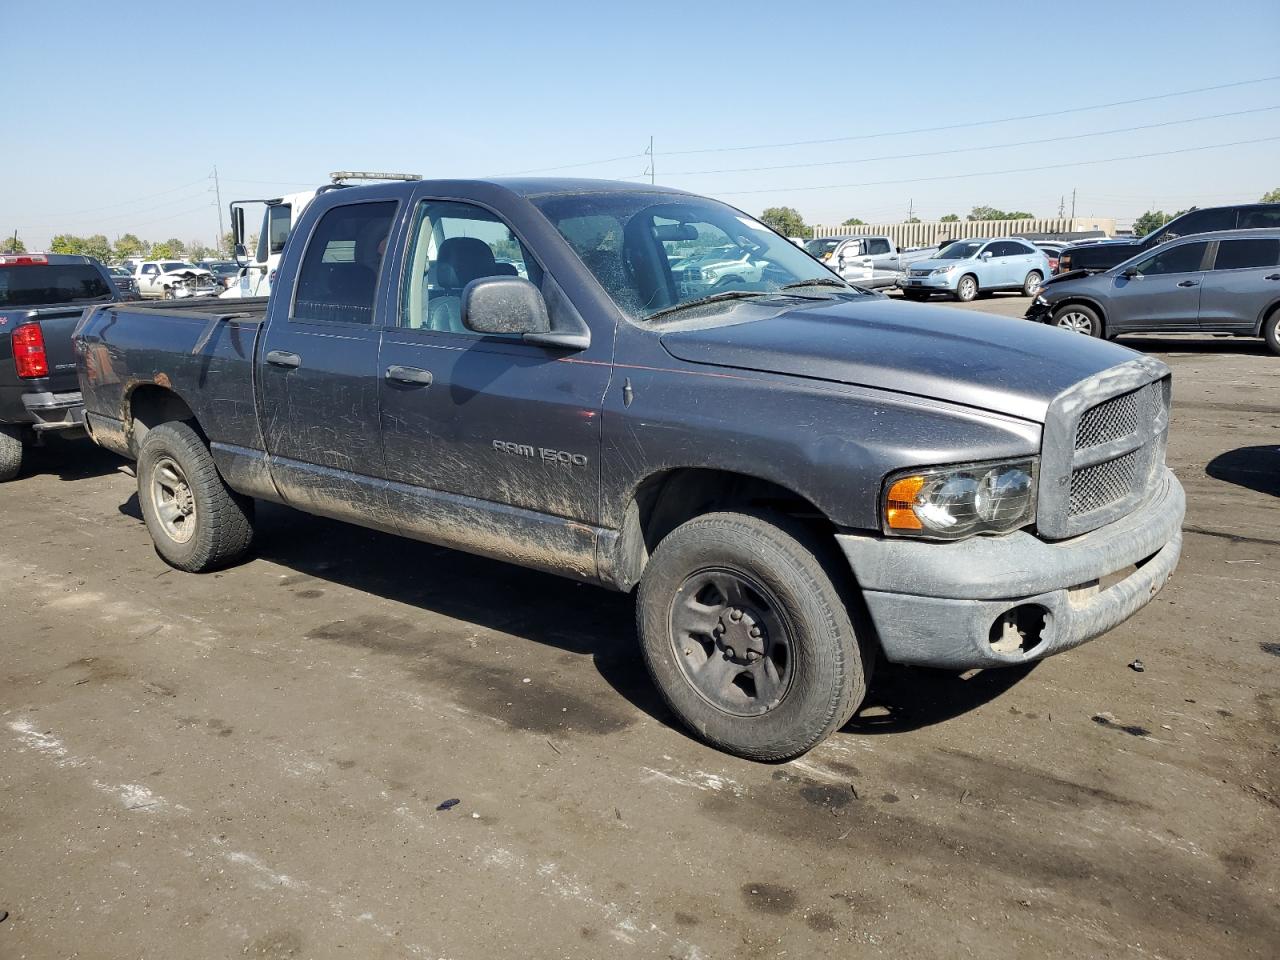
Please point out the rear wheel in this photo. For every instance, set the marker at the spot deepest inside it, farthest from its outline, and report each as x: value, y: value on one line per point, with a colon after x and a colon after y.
x: 1271, y: 330
x: 1031, y: 285
x: 195, y: 520
x: 1078, y: 318
x: 10, y: 453
x: 967, y: 288
x: 747, y: 637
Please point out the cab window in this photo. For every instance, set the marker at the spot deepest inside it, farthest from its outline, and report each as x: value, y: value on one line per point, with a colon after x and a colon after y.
x: 452, y: 244
x: 338, y: 279
x: 1184, y: 258
x: 1197, y: 221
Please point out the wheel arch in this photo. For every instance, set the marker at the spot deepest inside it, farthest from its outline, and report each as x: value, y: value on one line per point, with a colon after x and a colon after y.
x: 666, y: 498
x: 1267, y: 313
x: 148, y: 405
x: 1083, y: 301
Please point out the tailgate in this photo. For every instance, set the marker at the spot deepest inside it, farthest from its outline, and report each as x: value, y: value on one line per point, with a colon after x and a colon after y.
x: 57, y: 325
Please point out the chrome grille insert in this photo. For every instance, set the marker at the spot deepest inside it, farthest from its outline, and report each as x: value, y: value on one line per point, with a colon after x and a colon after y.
x: 1103, y: 450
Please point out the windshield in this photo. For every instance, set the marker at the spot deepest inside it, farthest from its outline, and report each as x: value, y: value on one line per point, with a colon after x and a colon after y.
x: 171, y: 265
x: 960, y: 250
x: 652, y: 252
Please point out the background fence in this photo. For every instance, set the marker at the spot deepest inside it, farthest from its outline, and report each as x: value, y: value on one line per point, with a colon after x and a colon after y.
x: 930, y: 232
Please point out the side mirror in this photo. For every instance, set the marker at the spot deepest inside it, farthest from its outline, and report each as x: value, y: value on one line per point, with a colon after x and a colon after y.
x: 986, y: 254
x: 241, y: 256
x: 513, y: 306
x: 1130, y: 273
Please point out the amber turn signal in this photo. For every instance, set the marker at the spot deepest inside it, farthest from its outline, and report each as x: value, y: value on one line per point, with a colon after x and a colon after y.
x: 899, y: 504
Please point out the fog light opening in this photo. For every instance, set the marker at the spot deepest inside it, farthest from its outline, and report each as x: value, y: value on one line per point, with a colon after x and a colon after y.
x: 1019, y: 630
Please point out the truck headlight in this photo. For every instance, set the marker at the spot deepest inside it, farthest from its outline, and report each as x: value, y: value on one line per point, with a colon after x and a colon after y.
x: 947, y: 503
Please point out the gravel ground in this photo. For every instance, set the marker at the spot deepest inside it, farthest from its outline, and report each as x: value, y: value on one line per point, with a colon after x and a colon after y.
x: 253, y: 763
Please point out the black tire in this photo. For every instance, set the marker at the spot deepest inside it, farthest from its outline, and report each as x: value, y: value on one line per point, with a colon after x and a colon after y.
x: 1031, y: 285
x: 220, y: 522
x: 967, y: 288
x: 168, y: 293
x: 1077, y: 318
x: 1271, y: 330
x: 11, y: 449
x: 789, y: 596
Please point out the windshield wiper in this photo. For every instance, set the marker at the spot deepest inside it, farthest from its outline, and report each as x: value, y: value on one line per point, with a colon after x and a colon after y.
x: 816, y: 282
x: 711, y: 298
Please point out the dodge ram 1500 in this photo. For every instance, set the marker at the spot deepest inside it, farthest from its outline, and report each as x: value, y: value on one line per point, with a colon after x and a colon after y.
x: 794, y: 477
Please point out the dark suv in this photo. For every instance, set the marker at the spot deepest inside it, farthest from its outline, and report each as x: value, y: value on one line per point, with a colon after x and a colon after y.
x: 1226, y: 282
x: 1103, y: 256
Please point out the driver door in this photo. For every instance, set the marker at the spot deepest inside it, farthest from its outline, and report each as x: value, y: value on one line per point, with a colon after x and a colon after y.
x: 1163, y: 292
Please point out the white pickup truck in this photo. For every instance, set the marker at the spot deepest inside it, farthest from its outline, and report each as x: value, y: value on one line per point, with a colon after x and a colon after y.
x: 869, y: 261
x: 173, y: 280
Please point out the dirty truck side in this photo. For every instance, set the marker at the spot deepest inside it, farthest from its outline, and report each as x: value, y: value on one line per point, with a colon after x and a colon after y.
x: 794, y: 478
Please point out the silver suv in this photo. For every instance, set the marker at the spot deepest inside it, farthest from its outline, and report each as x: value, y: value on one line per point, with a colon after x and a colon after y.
x: 1226, y: 282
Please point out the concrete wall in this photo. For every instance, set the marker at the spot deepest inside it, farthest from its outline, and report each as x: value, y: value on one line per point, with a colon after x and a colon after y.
x: 930, y: 232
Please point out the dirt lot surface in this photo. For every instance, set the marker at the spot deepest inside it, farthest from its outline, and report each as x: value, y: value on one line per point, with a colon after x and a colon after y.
x: 252, y: 763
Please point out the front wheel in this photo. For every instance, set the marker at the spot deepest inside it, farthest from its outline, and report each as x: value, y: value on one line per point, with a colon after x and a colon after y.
x: 196, y: 521
x: 168, y: 293
x: 11, y: 450
x: 967, y: 289
x: 1031, y: 285
x: 746, y: 636
x: 1077, y: 318
x: 1271, y: 331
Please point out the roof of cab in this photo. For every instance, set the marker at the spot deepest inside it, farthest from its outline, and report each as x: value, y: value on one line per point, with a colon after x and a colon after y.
x: 527, y: 186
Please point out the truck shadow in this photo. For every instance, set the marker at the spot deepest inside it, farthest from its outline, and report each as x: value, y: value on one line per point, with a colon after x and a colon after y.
x: 69, y: 459
x: 1255, y: 468
x: 576, y: 618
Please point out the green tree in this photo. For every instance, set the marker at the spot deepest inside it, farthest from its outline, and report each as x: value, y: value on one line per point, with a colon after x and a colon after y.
x: 97, y: 246
x: 198, y: 251
x: 177, y: 246
x: 1153, y: 220
x: 12, y: 244
x: 163, y: 251
x: 228, y: 242
x: 950, y: 218
x: 786, y: 220
x: 1271, y: 196
x: 853, y: 222
x: 129, y: 246
x: 994, y: 213
x: 912, y: 220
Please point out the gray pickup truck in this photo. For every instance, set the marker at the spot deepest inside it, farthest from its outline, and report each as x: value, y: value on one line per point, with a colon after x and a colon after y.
x: 41, y: 299
x: 796, y: 478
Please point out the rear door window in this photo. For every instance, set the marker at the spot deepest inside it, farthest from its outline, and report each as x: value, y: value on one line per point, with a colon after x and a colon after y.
x: 338, y: 279
x: 46, y: 285
x: 1260, y: 218
x: 1242, y: 254
x: 876, y: 246
x: 1198, y: 221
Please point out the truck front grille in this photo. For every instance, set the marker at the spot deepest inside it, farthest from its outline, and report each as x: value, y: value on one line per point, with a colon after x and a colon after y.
x: 1103, y: 457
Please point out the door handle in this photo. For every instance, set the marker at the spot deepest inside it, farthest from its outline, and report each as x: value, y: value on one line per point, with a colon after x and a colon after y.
x: 1274, y: 276
x: 283, y: 358
x: 1189, y: 283
x: 414, y: 375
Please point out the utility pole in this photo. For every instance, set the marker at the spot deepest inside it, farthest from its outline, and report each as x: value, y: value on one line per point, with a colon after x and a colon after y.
x: 650, y: 171
x: 1062, y: 206
x: 217, y: 190
x: 911, y: 210
x: 1073, y: 203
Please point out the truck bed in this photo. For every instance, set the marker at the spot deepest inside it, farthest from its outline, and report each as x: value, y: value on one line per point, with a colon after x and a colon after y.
x: 247, y: 308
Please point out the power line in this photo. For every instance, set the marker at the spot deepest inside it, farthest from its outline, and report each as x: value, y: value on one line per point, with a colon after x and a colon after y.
x: 118, y: 203
x: 992, y: 146
x: 979, y: 123
x: 991, y: 173
x: 571, y: 166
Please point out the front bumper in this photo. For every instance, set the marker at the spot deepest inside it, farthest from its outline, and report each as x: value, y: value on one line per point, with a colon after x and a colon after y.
x: 943, y: 282
x: 1039, y: 312
x: 62, y: 411
x: 943, y: 604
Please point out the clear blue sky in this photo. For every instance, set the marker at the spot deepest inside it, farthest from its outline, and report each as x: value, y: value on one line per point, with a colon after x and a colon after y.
x: 107, y: 104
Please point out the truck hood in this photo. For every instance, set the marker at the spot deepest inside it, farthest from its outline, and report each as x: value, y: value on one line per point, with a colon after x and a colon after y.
x: 1006, y: 366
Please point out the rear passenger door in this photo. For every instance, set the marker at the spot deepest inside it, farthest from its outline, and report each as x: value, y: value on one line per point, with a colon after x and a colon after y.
x: 319, y: 367
x: 482, y: 422
x: 1244, y: 280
